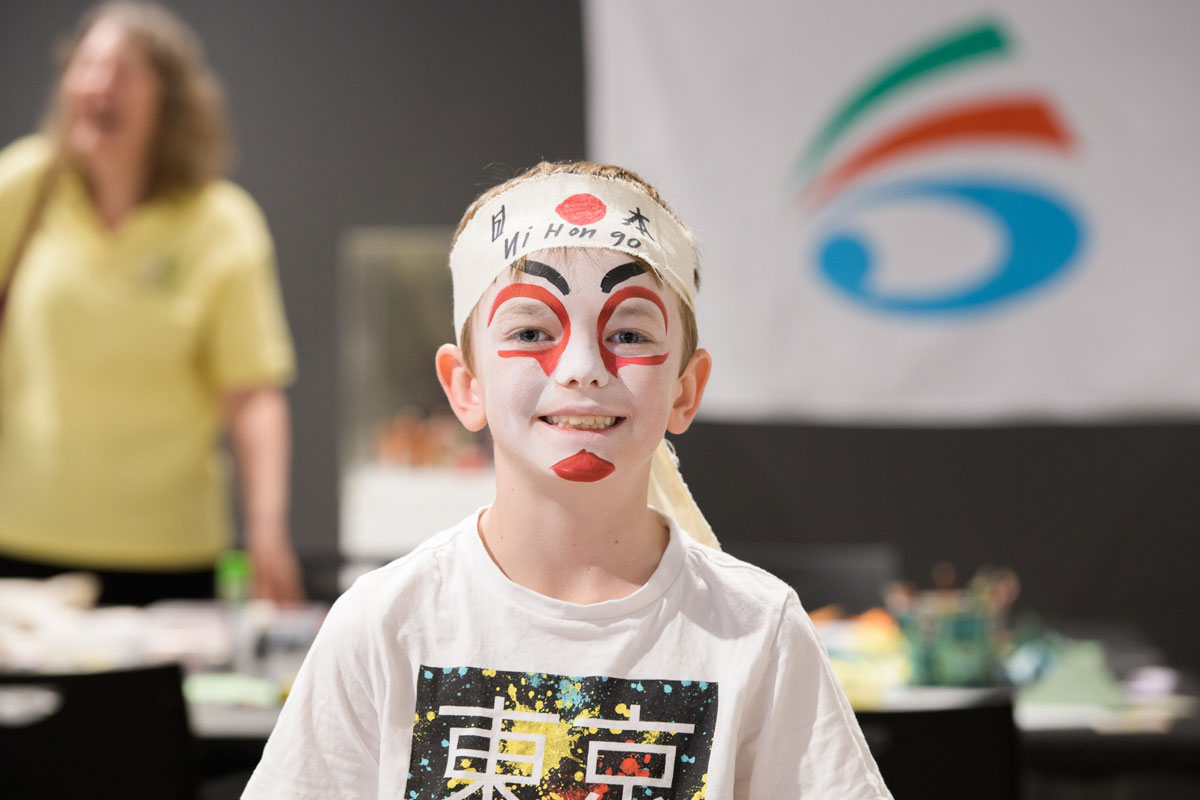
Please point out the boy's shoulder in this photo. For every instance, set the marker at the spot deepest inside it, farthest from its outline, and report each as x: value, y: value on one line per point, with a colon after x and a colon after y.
x: 736, y: 582
x: 740, y: 597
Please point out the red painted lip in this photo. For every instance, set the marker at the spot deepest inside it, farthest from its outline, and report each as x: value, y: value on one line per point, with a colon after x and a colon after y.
x: 584, y: 467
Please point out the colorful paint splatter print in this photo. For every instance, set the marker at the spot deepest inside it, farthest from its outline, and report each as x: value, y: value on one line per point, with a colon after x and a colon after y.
x: 482, y: 733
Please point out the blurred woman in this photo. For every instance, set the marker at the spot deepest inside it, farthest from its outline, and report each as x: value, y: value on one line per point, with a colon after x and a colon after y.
x: 140, y: 320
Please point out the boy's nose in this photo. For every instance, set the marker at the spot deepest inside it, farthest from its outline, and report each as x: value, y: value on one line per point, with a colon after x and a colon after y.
x: 581, y: 363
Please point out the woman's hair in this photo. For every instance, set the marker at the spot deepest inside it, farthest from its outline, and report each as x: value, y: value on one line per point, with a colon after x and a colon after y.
x: 191, y: 145
x: 691, y: 334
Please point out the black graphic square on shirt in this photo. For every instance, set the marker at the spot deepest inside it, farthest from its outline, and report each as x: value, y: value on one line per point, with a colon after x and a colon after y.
x: 536, y: 736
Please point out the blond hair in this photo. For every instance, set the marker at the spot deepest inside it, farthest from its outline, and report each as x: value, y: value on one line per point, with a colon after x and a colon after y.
x: 191, y: 145
x: 691, y: 336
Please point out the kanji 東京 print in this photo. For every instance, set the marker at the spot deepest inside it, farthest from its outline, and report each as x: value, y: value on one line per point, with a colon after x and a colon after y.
x: 487, y: 734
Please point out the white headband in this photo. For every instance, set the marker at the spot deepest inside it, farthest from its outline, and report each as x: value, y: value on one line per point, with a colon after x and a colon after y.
x: 564, y: 210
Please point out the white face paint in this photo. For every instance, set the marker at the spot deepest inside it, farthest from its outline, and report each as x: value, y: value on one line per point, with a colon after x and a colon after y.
x: 577, y: 381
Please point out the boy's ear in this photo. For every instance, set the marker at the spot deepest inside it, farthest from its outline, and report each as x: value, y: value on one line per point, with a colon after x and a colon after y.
x: 691, y: 390
x: 461, y: 387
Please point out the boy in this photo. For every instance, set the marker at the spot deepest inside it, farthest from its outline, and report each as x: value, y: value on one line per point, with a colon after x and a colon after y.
x: 570, y: 641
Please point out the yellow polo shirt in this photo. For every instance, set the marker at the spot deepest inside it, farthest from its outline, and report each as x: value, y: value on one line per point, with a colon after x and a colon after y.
x: 114, y: 352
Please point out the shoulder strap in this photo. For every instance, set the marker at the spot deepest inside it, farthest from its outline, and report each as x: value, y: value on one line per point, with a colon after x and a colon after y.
x: 32, y: 220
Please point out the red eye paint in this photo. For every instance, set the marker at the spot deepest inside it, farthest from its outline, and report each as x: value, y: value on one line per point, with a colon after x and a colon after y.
x: 548, y: 356
x: 612, y: 361
x: 583, y: 467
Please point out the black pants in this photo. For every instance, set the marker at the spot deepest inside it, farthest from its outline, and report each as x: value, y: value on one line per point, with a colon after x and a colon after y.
x: 119, y: 587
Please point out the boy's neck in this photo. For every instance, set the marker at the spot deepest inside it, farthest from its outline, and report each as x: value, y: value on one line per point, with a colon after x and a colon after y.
x: 584, y: 545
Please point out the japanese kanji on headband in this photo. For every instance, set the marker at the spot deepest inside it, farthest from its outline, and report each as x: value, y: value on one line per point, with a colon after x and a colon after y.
x: 566, y: 210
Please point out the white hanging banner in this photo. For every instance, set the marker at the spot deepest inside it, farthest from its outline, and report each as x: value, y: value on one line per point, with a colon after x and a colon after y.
x: 933, y: 212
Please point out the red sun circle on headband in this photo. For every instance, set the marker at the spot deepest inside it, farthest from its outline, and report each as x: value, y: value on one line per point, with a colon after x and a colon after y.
x: 582, y: 209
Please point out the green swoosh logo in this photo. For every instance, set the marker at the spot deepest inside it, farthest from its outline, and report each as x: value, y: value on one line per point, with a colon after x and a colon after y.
x: 979, y: 40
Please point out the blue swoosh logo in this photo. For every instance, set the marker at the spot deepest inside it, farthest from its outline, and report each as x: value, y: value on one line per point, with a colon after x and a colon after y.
x: 1041, y: 235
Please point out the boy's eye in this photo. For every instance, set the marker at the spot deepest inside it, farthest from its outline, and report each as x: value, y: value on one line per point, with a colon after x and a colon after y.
x: 627, y: 337
x: 530, y: 336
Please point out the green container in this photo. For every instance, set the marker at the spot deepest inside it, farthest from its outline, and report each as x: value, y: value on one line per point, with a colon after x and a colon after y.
x: 951, y: 647
x: 233, y: 577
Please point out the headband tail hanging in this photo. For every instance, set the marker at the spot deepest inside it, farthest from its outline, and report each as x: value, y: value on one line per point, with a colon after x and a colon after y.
x: 670, y: 495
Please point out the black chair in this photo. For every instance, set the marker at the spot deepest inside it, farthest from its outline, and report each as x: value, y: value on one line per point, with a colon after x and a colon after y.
x: 119, y: 734
x: 851, y: 575
x: 946, y: 754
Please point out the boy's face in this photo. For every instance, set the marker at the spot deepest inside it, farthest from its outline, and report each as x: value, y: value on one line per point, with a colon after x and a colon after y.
x: 577, y: 364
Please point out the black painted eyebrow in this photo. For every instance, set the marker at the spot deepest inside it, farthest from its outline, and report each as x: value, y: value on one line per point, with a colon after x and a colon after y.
x: 620, y: 273
x: 540, y: 270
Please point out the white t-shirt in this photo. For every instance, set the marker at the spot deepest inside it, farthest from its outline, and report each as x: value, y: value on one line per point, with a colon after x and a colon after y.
x: 437, y: 678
